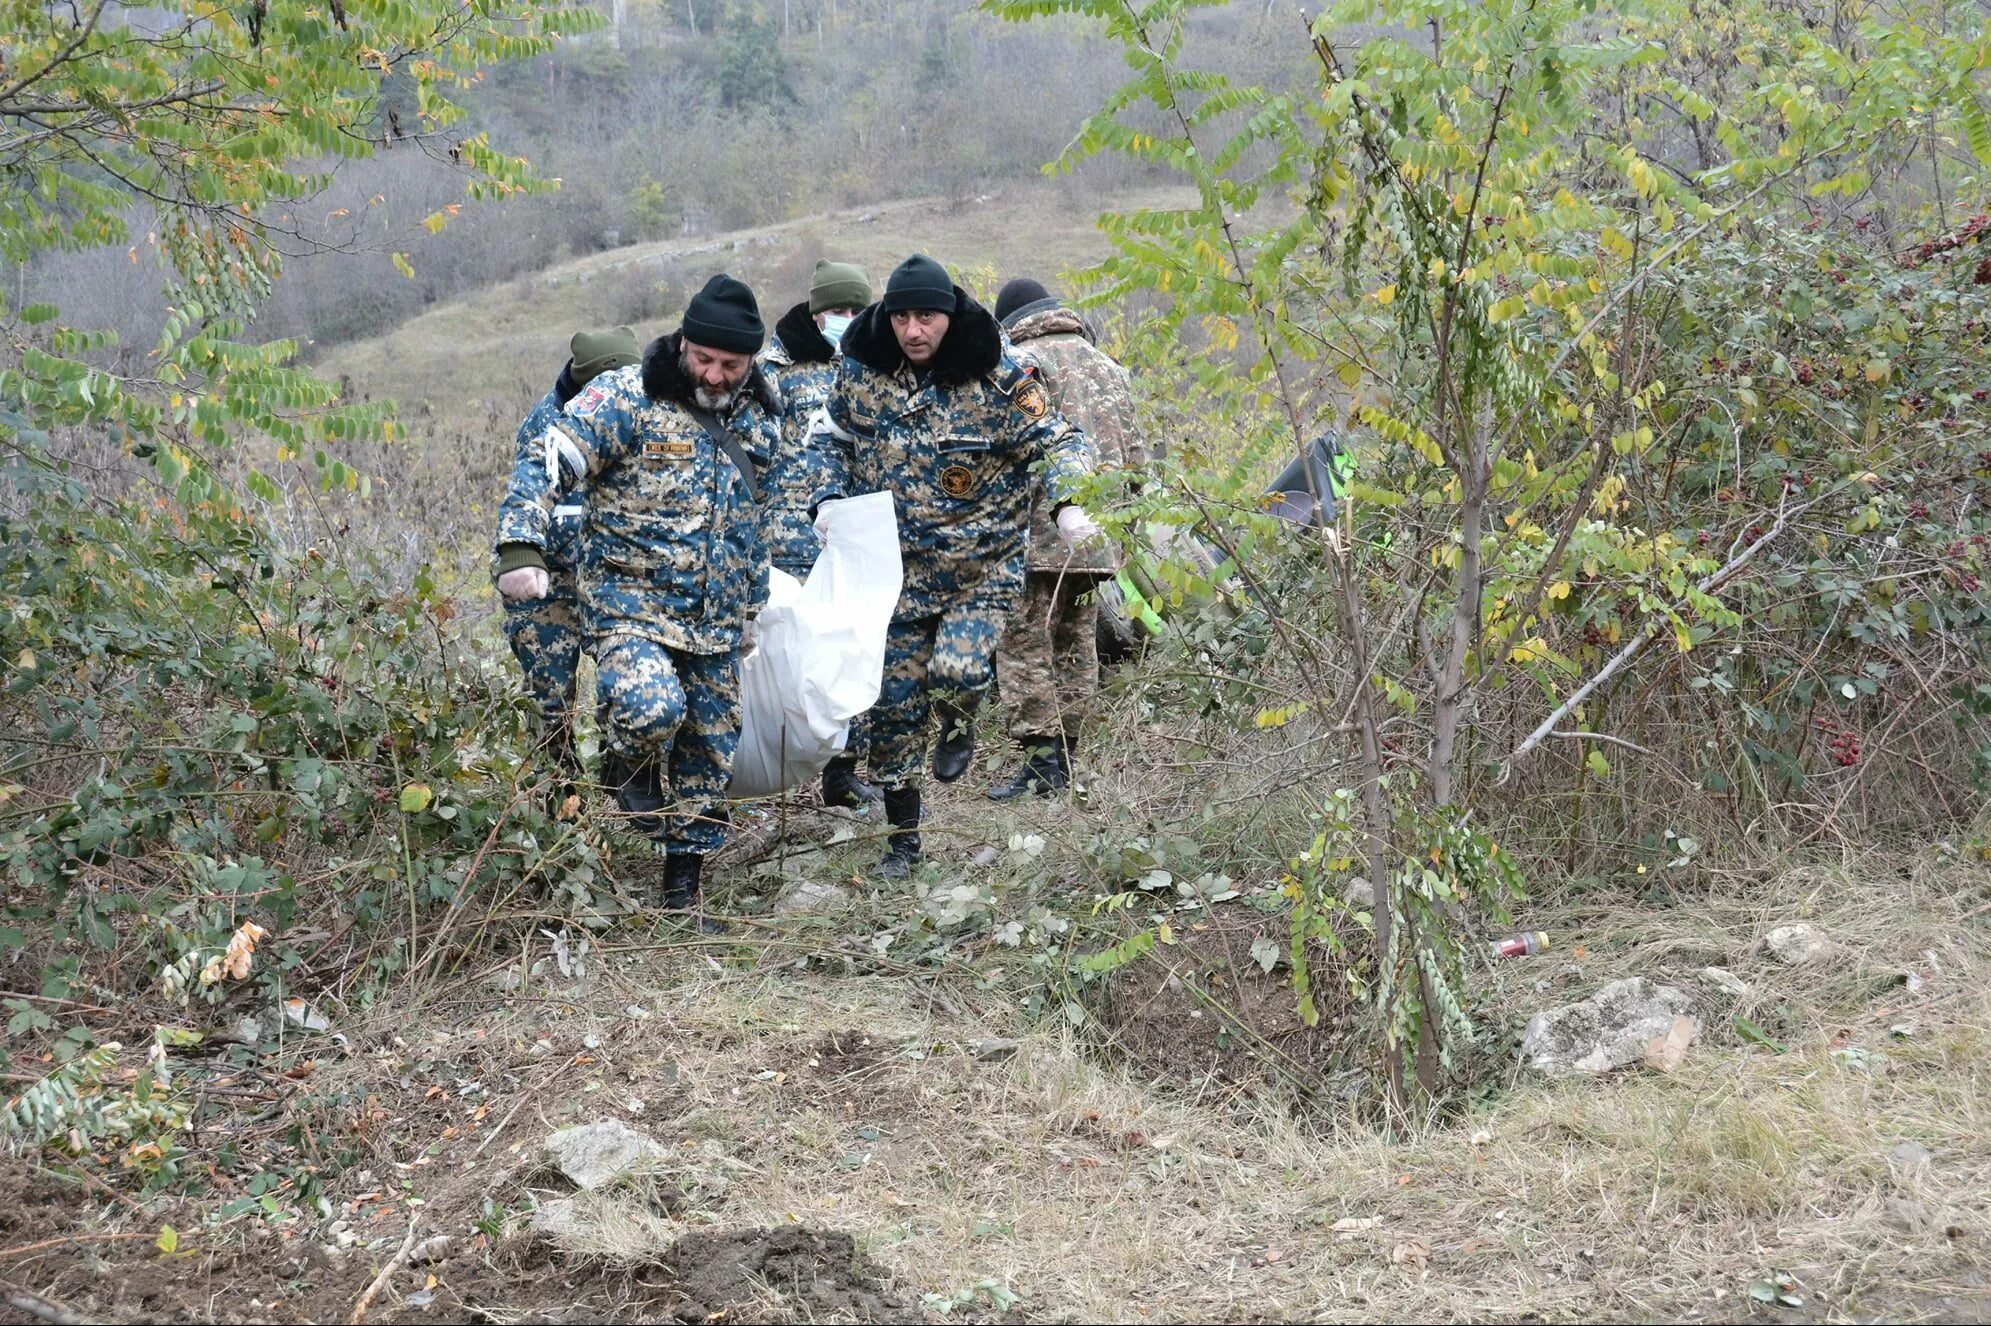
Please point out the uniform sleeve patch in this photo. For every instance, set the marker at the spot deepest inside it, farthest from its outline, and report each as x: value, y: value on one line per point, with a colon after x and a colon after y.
x: 590, y: 399
x: 1030, y: 399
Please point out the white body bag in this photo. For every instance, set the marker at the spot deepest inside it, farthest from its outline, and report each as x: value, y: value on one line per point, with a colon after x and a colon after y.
x: 821, y: 652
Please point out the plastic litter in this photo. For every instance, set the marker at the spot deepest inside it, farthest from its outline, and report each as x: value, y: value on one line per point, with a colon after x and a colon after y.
x: 1522, y: 946
x: 821, y: 654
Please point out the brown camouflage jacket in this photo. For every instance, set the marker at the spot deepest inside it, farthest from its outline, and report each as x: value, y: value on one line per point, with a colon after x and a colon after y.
x: 1093, y: 392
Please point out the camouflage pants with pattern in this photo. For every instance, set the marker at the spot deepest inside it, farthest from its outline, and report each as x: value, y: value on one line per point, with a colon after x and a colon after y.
x: 950, y: 656
x: 545, y: 636
x: 1049, y: 657
x: 672, y: 721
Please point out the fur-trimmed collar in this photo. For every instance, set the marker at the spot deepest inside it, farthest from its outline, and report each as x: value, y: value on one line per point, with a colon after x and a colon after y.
x: 664, y: 379
x: 801, y: 340
x: 971, y: 348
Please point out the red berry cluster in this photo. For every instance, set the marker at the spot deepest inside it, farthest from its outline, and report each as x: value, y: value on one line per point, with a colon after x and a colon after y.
x: 1972, y: 229
x: 1844, y: 746
x: 1918, y: 510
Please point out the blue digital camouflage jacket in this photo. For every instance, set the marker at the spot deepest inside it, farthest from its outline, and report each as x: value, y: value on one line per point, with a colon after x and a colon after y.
x: 958, y: 444
x: 802, y: 366
x: 671, y: 546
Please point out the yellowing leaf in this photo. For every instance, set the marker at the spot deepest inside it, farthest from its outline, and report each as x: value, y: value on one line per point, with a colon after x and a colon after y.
x: 169, y: 1240
x: 1597, y: 764
x: 1878, y: 369
x: 415, y: 798
x: 1350, y: 374
x: 401, y: 265
x: 1559, y: 590
x: 1386, y: 294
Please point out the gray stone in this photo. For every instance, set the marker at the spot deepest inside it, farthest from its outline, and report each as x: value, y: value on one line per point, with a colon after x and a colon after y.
x: 808, y: 895
x: 994, y: 1047
x: 1797, y: 945
x: 1609, y: 1030
x: 595, y: 1155
x: 557, y: 1219
x: 1360, y: 894
x: 1724, y: 980
x: 1912, y: 1153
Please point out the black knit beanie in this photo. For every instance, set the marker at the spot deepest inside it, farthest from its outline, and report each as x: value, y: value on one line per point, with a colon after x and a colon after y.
x: 1015, y: 294
x: 919, y: 283
x: 724, y: 316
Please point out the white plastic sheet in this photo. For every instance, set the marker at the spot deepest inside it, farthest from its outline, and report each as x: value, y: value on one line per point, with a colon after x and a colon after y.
x: 821, y: 655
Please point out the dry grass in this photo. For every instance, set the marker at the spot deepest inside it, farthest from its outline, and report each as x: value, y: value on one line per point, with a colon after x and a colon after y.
x: 505, y: 342
x: 854, y: 1104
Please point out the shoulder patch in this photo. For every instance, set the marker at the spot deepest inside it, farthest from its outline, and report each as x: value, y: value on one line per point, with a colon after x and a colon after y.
x: 589, y: 399
x: 1031, y: 400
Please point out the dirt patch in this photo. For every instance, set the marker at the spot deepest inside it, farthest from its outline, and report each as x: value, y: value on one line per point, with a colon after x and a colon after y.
x: 1206, y: 1006
x: 784, y: 1273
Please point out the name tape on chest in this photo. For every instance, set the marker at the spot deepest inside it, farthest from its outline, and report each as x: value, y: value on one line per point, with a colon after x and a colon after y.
x: 670, y: 448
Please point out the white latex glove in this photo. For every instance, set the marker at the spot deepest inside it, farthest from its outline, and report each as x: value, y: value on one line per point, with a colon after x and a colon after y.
x: 522, y: 583
x: 823, y: 526
x: 1077, y: 528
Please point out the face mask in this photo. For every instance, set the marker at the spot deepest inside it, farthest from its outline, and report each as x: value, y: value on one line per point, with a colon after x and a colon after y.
x: 834, y: 326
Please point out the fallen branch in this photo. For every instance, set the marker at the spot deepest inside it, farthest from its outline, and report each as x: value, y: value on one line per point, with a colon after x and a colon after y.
x: 400, y: 1259
x: 27, y: 1248
x: 36, y: 1306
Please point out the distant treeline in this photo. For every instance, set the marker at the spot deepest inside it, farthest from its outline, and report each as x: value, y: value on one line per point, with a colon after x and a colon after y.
x: 683, y: 120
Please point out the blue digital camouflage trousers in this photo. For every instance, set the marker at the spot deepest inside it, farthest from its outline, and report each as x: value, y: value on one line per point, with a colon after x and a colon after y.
x: 545, y: 636
x: 676, y: 716
x: 951, y: 656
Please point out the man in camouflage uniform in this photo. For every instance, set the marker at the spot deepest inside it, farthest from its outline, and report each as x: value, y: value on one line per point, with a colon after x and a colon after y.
x: 1049, y: 656
x: 802, y: 361
x: 930, y: 405
x: 673, y: 567
x: 545, y: 633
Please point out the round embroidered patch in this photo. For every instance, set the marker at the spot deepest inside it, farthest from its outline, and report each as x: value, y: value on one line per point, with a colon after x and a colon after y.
x: 957, y: 481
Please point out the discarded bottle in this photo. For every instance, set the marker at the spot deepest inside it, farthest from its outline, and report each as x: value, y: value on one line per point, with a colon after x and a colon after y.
x: 1522, y: 946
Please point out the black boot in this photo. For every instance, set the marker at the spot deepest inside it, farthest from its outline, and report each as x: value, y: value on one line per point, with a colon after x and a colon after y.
x: 681, y: 893
x: 638, y: 790
x: 902, y: 810
x: 842, y: 786
x: 1046, y: 769
x: 955, y: 750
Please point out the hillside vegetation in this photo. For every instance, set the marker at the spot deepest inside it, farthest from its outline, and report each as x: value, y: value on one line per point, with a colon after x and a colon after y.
x: 1654, y: 620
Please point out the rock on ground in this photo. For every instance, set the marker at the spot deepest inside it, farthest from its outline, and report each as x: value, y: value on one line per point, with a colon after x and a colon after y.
x: 595, y: 1155
x: 1796, y: 945
x: 1724, y: 980
x: 1609, y: 1030
x: 810, y: 895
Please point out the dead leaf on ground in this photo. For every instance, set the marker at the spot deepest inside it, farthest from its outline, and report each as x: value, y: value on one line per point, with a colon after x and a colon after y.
x: 1355, y: 1224
x: 1411, y: 1254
